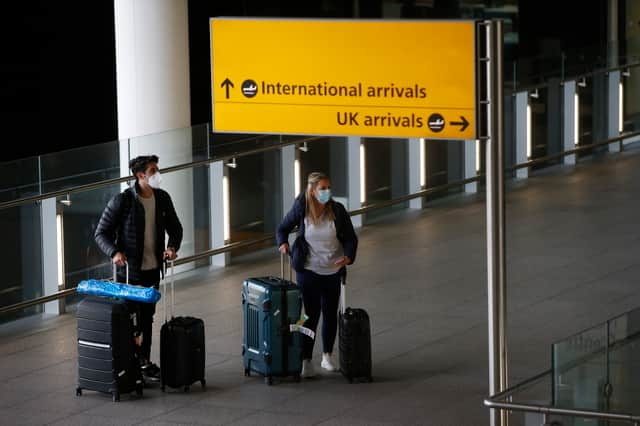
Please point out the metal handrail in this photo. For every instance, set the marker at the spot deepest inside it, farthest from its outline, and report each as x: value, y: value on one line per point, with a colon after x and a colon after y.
x: 576, y: 150
x: 605, y: 70
x: 382, y: 204
x: 193, y: 164
x: 497, y: 402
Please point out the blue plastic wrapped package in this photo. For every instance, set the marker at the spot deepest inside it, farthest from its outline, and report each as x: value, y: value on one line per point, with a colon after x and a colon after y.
x: 123, y: 291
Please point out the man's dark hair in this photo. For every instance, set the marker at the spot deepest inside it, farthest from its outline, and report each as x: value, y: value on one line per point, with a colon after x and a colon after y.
x: 140, y: 163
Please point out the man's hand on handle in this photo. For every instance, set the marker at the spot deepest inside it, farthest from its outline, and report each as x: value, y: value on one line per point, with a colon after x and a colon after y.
x: 284, y: 248
x: 119, y: 259
x: 169, y: 254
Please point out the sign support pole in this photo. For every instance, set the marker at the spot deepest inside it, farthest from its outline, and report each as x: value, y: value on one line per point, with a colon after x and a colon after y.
x: 496, y: 265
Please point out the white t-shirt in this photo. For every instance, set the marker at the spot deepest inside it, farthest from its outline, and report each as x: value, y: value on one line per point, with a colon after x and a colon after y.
x: 149, y: 260
x: 324, y: 247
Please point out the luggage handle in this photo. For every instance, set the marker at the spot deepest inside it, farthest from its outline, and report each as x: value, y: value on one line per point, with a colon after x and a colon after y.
x: 164, y: 285
x: 282, y: 262
x: 343, y: 291
x: 115, y: 270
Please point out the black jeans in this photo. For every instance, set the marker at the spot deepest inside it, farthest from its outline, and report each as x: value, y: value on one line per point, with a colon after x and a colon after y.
x: 148, y: 278
x: 320, y: 293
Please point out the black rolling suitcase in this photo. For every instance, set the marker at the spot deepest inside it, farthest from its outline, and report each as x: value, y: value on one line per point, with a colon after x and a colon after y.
x: 107, y: 352
x: 182, y: 350
x: 355, y: 341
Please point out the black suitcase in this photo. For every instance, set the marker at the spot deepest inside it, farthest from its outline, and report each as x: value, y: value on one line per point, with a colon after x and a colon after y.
x: 354, y: 331
x: 107, y: 351
x: 182, y: 350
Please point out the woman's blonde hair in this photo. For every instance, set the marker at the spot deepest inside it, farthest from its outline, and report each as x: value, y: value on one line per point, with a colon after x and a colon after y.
x: 313, y: 205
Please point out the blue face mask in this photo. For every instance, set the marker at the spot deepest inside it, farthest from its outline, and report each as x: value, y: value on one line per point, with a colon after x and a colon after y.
x: 324, y: 195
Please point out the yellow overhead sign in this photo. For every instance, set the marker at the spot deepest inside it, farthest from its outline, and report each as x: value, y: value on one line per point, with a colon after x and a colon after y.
x: 338, y: 77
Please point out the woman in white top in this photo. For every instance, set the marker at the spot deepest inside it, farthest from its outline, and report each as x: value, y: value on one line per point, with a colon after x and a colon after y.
x: 325, y: 244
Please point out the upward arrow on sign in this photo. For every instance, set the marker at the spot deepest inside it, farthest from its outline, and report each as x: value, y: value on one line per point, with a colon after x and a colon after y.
x: 226, y: 83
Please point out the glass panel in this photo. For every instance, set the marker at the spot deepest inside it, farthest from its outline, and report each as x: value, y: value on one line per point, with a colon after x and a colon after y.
x: 585, y: 95
x: 81, y: 166
x: 189, y: 190
x: 255, y: 197
x: 224, y: 144
x: 580, y: 371
x: 83, y: 259
x: 21, y: 265
x: 437, y: 154
x: 631, y: 102
x: 326, y: 155
x: 624, y: 362
x: 385, y: 173
x: 539, y: 122
x: 174, y: 147
x: 19, y: 178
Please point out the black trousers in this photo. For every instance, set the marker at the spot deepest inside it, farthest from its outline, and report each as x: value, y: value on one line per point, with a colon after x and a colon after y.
x: 320, y: 294
x: 148, y: 278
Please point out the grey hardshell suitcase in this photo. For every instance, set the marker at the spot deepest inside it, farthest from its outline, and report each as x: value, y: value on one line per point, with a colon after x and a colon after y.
x: 271, y: 305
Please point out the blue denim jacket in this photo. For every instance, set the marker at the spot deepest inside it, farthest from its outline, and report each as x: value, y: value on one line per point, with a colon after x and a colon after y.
x: 299, y: 251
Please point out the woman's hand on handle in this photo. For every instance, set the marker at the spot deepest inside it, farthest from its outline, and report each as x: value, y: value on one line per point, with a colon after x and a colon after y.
x: 342, y: 262
x: 284, y: 248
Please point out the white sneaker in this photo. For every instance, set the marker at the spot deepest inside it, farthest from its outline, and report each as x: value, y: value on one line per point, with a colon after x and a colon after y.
x: 327, y: 362
x: 307, y: 369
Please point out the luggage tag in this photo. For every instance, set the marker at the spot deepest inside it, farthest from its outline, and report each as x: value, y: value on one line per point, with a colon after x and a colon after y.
x: 300, y: 328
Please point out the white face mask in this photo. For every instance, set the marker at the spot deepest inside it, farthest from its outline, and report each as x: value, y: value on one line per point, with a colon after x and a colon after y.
x: 154, y: 180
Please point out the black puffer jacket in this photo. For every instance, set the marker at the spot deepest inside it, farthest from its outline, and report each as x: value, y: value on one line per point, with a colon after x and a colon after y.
x: 121, y: 227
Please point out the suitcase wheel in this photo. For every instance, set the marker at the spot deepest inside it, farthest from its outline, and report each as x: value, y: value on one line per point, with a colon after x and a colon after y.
x: 186, y: 388
x: 203, y: 383
x: 350, y: 379
x: 116, y: 396
x: 78, y: 391
x: 268, y: 380
x: 247, y: 372
x: 139, y: 391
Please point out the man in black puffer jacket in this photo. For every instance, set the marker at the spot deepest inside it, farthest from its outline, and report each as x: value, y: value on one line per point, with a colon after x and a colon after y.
x: 132, y: 230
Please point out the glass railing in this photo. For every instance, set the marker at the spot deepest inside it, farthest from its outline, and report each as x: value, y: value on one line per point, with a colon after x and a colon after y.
x: 593, y: 380
x: 568, y: 64
x: 255, y: 202
x: 598, y: 368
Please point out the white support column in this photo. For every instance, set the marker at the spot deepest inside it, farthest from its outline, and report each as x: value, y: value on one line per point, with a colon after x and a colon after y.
x: 471, y: 156
x: 51, y: 256
x: 569, y: 135
x: 354, y: 177
x: 523, y: 132
x: 217, y: 210
x: 153, y: 93
x: 288, y: 176
x: 613, y: 109
x: 416, y: 170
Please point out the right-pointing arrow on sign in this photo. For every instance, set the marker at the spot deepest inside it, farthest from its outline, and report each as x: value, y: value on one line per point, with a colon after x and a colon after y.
x: 464, y: 123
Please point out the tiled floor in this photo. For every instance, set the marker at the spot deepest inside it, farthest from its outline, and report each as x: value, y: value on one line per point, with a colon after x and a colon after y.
x: 573, y: 238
